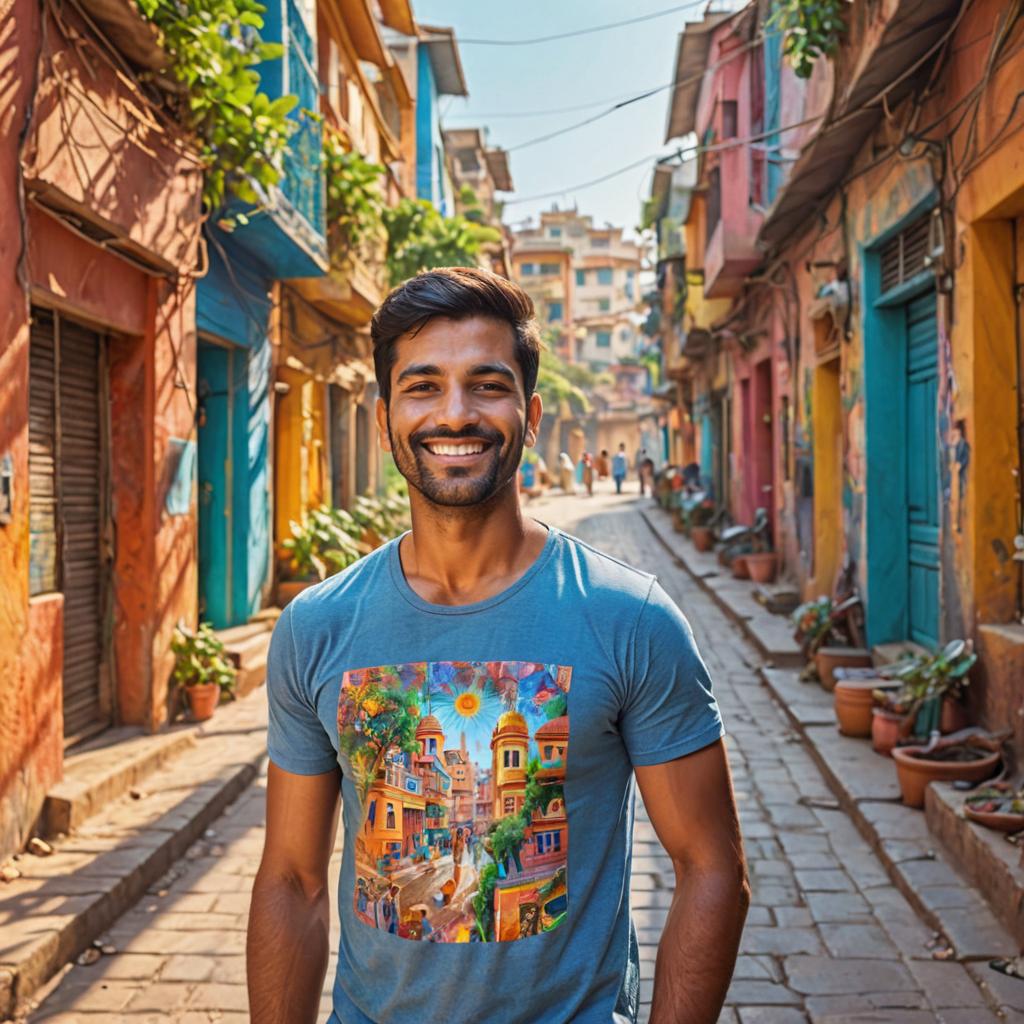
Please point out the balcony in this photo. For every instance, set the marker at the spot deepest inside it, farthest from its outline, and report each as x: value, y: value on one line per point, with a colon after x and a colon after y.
x: 286, y: 232
x: 731, y: 252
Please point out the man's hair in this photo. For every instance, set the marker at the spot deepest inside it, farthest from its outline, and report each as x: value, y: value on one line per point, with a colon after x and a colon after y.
x: 456, y: 293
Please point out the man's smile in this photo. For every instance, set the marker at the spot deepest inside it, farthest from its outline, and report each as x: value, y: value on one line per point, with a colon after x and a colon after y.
x: 456, y: 452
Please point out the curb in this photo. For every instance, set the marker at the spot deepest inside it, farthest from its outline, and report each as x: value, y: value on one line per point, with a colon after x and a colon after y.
x: 32, y: 962
x: 975, y: 935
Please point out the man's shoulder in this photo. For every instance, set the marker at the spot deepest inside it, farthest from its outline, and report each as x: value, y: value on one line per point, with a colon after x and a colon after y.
x: 605, y: 576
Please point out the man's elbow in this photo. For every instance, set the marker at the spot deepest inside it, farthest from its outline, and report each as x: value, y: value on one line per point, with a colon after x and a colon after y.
x: 292, y: 884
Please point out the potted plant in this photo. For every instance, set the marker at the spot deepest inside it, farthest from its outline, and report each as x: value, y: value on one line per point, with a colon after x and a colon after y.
x: 762, y: 566
x: 932, y: 687
x: 202, y: 669
x: 854, y: 699
x: 970, y: 755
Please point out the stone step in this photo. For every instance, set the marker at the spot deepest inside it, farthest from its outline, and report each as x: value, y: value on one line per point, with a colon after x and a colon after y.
x: 249, y: 656
x: 235, y: 635
x: 106, y: 768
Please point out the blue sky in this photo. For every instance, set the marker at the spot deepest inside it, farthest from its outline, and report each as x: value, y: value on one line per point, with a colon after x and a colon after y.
x: 604, y: 66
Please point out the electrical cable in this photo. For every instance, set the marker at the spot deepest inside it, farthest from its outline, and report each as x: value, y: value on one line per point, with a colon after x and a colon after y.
x: 583, y: 31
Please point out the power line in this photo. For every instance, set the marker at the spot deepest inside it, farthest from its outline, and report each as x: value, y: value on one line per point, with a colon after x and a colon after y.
x: 582, y: 31
x: 687, y: 151
x: 544, y: 113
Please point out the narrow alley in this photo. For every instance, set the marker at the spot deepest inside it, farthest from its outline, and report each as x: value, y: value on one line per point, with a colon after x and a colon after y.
x: 828, y: 937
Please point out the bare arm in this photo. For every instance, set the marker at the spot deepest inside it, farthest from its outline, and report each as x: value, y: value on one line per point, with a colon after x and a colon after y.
x: 287, y: 947
x: 691, y: 805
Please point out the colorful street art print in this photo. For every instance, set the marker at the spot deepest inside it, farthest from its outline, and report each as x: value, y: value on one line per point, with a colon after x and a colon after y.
x: 460, y: 768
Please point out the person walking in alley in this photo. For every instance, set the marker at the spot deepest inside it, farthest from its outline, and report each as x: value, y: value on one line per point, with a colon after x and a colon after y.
x: 619, y: 466
x: 588, y: 473
x: 641, y: 455
x: 575, y: 674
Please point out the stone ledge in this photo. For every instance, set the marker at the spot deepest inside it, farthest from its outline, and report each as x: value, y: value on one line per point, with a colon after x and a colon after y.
x: 772, y: 635
x: 67, y: 900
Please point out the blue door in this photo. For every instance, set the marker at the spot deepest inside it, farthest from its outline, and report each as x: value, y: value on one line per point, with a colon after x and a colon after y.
x: 922, y: 471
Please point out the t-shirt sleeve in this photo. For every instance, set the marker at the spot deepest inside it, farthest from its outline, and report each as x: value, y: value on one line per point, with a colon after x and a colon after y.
x: 669, y: 710
x: 296, y: 739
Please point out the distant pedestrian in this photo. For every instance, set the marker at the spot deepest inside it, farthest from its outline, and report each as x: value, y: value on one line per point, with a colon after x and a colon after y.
x: 603, y: 465
x: 647, y: 475
x: 588, y: 473
x: 565, y: 472
x: 641, y: 455
x: 619, y: 466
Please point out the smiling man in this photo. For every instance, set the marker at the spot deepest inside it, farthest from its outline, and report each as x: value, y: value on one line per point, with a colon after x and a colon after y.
x: 485, y: 682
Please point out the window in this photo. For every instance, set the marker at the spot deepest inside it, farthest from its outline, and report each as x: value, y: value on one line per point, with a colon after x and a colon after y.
x: 549, y: 268
x: 624, y: 334
x: 554, y: 312
x: 548, y: 751
x: 554, y: 232
x: 511, y: 758
x: 604, y: 275
x: 391, y: 816
x: 526, y: 269
x: 549, y: 842
x: 604, y: 305
x: 581, y: 278
x: 557, y: 906
x: 604, y: 339
x: 728, y: 119
x: 431, y: 747
x: 510, y: 805
x: 599, y: 243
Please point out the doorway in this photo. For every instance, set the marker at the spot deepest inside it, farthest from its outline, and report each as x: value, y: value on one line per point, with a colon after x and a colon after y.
x: 68, y: 505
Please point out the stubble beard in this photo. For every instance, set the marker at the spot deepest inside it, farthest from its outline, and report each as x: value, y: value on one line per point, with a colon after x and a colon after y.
x: 459, y: 486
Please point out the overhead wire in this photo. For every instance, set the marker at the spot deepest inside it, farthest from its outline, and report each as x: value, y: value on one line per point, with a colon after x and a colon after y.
x: 584, y: 31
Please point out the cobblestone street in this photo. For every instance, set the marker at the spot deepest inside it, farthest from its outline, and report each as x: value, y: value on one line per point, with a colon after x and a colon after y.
x: 828, y: 938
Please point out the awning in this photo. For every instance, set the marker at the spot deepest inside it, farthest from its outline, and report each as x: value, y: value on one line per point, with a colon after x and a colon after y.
x: 691, y: 61
x: 912, y: 31
x: 443, y: 52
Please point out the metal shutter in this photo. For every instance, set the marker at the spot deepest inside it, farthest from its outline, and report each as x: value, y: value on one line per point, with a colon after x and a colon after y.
x: 42, y: 455
x: 71, y: 484
x: 906, y: 254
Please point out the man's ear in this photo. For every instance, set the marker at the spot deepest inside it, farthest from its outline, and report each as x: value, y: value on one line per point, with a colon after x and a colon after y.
x: 383, y: 433
x: 534, y: 412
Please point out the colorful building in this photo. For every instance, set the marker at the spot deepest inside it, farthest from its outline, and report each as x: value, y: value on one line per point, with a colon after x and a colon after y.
x: 97, y: 359
x: 510, y: 746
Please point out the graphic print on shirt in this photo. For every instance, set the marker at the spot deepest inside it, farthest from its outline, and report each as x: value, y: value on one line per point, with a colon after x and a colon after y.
x: 460, y: 767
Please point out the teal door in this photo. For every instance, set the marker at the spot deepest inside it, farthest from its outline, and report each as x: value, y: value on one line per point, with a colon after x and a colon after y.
x: 922, y: 471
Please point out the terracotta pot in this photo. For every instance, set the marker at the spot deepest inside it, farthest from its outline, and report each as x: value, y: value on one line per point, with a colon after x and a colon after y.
x: 739, y: 567
x: 762, y: 566
x: 853, y: 704
x: 288, y: 590
x: 914, y: 773
x: 202, y: 700
x: 886, y: 726
x: 703, y: 537
x: 953, y: 716
x: 829, y: 658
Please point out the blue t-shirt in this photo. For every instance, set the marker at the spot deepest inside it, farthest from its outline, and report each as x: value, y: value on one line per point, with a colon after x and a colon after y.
x: 619, y: 464
x: 486, y: 754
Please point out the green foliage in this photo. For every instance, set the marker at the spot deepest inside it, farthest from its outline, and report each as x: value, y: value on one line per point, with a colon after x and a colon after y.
x: 199, y: 658
x: 813, y: 622
x: 538, y: 795
x: 555, y: 707
x: 507, y: 837
x: 355, y: 205
x: 214, y: 45
x: 420, y: 238
x: 813, y: 29
x: 483, y: 902
x: 555, y: 385
x: 471, y: 207
x: 329, y: 539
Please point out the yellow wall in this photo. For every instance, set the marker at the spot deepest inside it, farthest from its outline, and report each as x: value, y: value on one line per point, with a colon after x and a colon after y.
x: 827, y: 428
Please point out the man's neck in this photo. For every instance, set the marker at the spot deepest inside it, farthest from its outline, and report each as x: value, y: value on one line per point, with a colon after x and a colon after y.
x: 463, y: 555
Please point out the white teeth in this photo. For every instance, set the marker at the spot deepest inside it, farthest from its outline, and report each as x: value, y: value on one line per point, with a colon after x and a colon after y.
x: 456, y: 449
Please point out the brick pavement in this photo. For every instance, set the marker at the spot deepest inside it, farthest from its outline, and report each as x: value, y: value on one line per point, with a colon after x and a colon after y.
x: 828, y: 940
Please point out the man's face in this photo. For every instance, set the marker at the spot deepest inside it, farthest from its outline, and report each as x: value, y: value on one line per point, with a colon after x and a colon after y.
x: 458, y: 419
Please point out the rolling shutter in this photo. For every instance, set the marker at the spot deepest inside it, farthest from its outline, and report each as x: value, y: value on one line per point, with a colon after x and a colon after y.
x: 66, y: 477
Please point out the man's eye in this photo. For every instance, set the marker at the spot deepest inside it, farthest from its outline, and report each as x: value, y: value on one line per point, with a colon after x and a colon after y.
x: 422, y: 386
x: 491, y: 385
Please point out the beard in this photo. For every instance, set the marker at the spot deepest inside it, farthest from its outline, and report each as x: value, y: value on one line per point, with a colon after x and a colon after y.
x: 458, y: 486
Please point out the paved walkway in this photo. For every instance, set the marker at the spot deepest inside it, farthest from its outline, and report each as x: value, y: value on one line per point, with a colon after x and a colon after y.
x: 828, y: 938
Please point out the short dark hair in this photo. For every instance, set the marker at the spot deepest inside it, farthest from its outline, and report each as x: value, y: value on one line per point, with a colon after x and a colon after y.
x: 456, y: 293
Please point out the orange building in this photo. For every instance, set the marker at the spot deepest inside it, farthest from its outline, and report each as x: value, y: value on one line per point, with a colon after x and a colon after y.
x: 510, y: 745
x: 463, y: 774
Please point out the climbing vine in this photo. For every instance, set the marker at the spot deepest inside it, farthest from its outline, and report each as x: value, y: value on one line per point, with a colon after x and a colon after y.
x: 214, y: 46
x: 355, y: 205
x: 421, y: 238
x: 812, y: 29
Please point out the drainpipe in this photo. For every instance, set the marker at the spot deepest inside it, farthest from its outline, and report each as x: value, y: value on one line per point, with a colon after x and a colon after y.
x: 1018, y: 297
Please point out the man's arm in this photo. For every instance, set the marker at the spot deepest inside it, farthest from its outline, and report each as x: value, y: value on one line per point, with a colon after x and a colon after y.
x: 693, y: 810
x: 289, y: 918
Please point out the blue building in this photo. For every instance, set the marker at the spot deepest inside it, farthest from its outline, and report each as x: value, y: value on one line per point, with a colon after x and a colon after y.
x: 283, y: 238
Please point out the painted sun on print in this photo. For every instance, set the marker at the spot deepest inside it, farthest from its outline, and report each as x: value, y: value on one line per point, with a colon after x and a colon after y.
x: 460, y: 768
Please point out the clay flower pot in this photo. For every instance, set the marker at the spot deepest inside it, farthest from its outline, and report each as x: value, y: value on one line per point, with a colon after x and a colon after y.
x: 202, y: 700
x: 830, y: 658
x: 288, y: 590
x: 678, y: 522
x: 703, y: 537
x: 953, y: 717
x: 886, y: 728
x: 762, y: 566
x: 915, y: 772
x: 853, y: 704
x: 739, y: 568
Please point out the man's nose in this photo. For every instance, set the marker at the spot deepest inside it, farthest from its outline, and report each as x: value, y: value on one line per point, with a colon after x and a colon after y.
x: 457, y: 409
